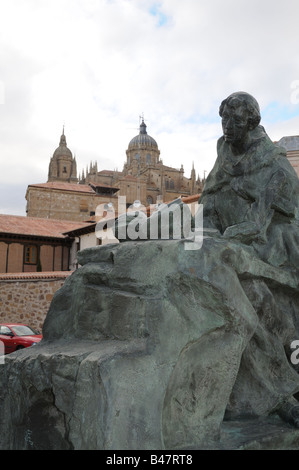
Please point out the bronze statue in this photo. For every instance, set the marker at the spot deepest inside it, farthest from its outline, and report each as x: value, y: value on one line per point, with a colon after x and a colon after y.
x: 251, y: 196
x: 252, y: 193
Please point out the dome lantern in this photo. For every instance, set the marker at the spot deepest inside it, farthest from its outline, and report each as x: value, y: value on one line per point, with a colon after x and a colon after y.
x: 142, y: 140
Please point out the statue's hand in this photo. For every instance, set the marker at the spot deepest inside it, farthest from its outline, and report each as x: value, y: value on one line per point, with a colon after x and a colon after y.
x: 246, y: 232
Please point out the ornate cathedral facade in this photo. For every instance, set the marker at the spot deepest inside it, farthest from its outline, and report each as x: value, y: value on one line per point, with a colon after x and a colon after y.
x: 144, y: 178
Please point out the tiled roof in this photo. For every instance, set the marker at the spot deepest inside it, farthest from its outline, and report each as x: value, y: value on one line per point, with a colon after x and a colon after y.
x: 185, y: 200
x: 103, y: 185
x: 189, y: 199
x: 81, y: 188
x: 34, y: 226
x: 87, y: 228
x: 35, y: 275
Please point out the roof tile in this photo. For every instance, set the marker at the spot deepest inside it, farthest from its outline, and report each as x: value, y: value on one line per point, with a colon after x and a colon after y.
x: 35, y: 275
x: 81, y: 188
x: 34, y: 226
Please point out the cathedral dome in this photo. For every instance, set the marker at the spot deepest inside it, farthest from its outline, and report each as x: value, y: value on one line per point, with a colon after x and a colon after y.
x: 62, y: 150
x: 143, y: 139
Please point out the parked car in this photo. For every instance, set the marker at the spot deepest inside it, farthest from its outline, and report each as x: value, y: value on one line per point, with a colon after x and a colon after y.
x: 17, y: 336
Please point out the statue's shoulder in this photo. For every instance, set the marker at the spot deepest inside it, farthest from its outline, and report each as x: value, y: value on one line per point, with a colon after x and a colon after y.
x: 264, y: 151
x: 220, y: 144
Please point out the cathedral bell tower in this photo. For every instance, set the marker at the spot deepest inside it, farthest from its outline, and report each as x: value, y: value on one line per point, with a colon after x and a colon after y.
x: 63, y: 166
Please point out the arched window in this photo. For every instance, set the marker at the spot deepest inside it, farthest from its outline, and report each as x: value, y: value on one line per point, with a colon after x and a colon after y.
x: 148, y: 159
x: 137, y: 156
x: 171, y: 184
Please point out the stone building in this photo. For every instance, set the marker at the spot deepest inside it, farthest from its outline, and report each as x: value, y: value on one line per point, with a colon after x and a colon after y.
x: 144, y: 176
x: 67, y: 201
x: 61, y: 197
x: 291, y: 144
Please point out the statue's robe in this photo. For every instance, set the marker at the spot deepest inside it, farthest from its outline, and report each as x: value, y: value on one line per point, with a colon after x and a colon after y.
x: 253, y: 199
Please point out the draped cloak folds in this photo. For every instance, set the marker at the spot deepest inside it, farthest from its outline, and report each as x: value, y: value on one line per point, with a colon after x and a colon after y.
x: 252, y: 201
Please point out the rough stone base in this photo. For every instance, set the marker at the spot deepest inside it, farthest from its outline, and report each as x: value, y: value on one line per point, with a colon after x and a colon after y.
x: 269, y: 433
x: 139, y: 355
x: 262, y: 434
x: 57, y: 397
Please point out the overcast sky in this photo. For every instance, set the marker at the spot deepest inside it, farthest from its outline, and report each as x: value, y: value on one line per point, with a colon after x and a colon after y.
x: 95, y: 66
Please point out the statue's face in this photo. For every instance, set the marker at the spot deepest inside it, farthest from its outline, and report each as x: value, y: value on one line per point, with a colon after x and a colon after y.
x: 235, y: 124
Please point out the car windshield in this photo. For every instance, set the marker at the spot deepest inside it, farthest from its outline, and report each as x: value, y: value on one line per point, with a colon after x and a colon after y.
x: 23, y: 330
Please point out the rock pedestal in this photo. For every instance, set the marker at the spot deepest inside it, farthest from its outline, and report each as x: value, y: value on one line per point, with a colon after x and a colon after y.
x: 142, y: 349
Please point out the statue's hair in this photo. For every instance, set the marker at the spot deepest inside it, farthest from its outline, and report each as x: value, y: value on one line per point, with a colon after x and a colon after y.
x: 246, y: 100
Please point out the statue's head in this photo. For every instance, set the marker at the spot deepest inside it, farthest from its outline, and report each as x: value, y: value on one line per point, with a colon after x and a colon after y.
x: 240, y: 113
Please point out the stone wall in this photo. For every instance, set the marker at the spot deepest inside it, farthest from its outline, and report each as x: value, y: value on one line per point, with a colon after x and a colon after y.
x: 66, y: 205
x: 26, y: 297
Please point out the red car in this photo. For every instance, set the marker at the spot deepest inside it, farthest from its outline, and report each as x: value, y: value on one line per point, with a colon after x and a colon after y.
x: 15, y: 336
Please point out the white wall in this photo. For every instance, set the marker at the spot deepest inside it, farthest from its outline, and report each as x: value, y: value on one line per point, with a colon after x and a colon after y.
x: 88, y: 240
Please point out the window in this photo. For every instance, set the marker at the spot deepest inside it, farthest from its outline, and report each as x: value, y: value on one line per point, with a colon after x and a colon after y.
x: 149, y: 200
x: 24, y: 330
x: 4, y: 330
x: 148, y: 158
x: 31, y: 254
x: 137, y: 156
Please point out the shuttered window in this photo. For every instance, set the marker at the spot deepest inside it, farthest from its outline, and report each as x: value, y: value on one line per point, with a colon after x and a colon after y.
x: 31, y: 254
